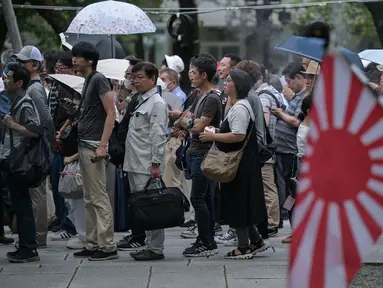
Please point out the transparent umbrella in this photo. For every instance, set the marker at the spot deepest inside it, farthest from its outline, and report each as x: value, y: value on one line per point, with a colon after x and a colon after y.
x: 113, y: 18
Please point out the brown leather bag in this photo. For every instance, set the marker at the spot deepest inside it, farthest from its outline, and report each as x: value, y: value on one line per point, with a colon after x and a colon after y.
x: 222, y: 166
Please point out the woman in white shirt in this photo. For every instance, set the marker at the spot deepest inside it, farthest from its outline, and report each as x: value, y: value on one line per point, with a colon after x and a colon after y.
x: 303, y: 129
x: 242, y: 200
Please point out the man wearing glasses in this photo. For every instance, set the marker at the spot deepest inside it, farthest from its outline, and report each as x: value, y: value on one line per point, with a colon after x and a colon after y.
x: 30, y: 58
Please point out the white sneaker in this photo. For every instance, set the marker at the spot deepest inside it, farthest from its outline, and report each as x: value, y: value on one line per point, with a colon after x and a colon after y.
x: 228, y: 239
x: 62, y: 236
x: 190, y: 233
x: 75, y: 243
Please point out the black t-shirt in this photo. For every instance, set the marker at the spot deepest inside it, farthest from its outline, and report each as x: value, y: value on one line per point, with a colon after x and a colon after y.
x: 223, y: 97
x: 210, y: 107
x: 92, y: 119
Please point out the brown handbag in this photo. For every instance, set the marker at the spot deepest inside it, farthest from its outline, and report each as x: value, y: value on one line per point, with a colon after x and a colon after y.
x: 222, y: 166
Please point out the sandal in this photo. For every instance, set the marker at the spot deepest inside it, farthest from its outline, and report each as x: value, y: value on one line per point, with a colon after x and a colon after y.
x: 258, y: 247
x: 245, y: 254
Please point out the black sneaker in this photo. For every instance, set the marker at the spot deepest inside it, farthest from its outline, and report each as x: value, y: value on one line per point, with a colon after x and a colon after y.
x: 280, y: 226
x: 102, y: 256
x: 147, y: 255
x: 130, y: 244
x: 5, y: 240
x: 188, y: 224
x: 199, y: 250
x: 218, y: 230
x: 134, y: 254
x: 84, y: 253
x: 23, y: 255
x: 273, y: 232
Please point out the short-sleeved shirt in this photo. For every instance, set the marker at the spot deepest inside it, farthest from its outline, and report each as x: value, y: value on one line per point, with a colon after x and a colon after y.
x: 285, y: 133
x: 239, y: 117
x: 92, y: 119
x: 210, y: 107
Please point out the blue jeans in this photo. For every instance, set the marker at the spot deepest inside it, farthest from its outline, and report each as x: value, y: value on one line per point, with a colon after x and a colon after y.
x: 22, y: 204
x: 57, y: 166
x: 202, y: 199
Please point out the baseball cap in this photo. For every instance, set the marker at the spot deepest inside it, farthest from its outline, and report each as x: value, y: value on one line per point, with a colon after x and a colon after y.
x: 175, y: 63
x: 30, y: 53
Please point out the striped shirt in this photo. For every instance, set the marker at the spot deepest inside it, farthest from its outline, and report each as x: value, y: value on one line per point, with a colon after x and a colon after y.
x: 286, y: 134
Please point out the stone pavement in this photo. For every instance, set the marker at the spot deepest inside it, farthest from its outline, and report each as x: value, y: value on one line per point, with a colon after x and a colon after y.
x: 59, y: 269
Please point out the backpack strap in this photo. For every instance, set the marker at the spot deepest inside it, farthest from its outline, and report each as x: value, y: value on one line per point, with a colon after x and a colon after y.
x: 272, y: 95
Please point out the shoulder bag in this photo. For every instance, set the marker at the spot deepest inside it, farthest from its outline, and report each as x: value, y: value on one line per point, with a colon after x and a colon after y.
x: 29, y: 162
x: 157, y: 208
x: 222, y: 166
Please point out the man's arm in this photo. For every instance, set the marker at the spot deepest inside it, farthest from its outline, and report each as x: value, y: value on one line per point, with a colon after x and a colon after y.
x: 108, y: 102
x: 290, y: 119
x: 157, y: 134
x: 29, y: 125
x: 22, y: 130
x: 210, y: 107
x: 266, y: 106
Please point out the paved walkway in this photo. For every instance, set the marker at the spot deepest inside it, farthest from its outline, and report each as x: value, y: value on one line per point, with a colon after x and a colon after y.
x: 59, y: 269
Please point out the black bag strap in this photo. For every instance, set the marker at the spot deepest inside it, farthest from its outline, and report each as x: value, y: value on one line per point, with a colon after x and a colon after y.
x: 272, y: 95
x: 87, y: 81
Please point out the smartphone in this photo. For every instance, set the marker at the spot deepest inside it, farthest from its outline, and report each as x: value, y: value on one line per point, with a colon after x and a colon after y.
x: 65, y: 100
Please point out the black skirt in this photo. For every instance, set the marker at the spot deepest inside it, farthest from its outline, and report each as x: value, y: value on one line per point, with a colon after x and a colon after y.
x: 243, y: 200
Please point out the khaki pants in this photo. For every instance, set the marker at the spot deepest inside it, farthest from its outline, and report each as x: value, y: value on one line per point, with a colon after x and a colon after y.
x: 271, y: 195
x: 174, y: 177
x: 98, y: 209
x: 40, y: 210
x: 155, y: 238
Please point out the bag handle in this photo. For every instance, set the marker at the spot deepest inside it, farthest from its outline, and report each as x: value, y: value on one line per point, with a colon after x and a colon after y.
x: 150, y: 181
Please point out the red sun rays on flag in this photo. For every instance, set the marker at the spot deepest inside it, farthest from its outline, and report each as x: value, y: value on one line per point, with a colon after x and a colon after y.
x: 339, y: 211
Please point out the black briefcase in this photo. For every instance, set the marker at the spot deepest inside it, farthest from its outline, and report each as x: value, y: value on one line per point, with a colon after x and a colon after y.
x: 160, y: 208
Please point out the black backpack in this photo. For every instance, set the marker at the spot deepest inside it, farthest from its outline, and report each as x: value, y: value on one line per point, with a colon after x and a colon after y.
x: 267, y: 151
x: 118, y: 137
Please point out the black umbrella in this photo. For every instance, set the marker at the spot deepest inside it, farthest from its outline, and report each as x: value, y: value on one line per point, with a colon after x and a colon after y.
x: 102, y: 42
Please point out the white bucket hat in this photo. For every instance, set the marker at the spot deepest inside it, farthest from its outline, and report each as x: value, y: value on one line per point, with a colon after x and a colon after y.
x: 175, y: 63
x: 380, y: 68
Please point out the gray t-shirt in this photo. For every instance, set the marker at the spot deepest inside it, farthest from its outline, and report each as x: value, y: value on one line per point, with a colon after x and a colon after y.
x: 92, y: 119
x: 36, y: 92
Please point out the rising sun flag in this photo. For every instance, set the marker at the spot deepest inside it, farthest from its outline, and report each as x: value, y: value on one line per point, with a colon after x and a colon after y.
x: 339, y: 210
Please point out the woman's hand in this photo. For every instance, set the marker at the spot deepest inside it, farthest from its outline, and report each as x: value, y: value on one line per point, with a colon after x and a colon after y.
x: 206, y: 136
x: 68, y: 160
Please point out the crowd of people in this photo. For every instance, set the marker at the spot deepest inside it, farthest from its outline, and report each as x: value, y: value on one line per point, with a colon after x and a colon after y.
x: 254, y: 110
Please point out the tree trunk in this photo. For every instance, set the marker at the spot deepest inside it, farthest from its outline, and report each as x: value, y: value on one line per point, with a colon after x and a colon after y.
x: 13, y: 28
x: 139, y: 47
x: 376, y: 10
x: 187, y: 49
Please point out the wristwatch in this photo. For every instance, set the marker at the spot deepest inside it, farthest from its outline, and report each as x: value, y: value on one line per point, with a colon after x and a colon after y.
x: 155, y: 165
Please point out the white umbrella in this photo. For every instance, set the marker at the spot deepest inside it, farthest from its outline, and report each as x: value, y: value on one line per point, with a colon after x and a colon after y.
x: 74, y: 82
x: 113, y: 68
x: 373, y: 55
x: 113, y: 18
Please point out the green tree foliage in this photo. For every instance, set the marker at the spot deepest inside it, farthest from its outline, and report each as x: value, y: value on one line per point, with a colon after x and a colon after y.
x: 41, y: 27
x: 351, y: 24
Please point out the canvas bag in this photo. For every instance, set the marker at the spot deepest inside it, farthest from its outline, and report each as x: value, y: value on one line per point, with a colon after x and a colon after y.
x: 222, y: 166
x: 70, y: 183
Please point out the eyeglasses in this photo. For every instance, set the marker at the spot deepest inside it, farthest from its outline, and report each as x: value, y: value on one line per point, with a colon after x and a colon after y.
x: 60, y: 68
x: 139, y: 77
